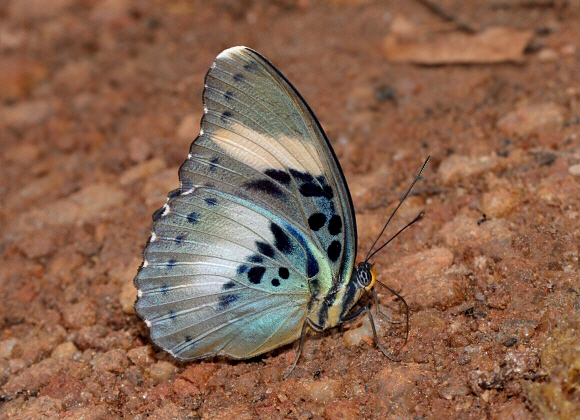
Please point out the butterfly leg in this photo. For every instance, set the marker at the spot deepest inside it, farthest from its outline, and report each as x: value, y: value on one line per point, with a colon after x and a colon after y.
x: 315, y: 327
x: 376, y: 338
x: 380, y: 312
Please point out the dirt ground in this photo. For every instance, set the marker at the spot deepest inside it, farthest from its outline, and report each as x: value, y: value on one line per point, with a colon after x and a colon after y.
x: 100, y: 100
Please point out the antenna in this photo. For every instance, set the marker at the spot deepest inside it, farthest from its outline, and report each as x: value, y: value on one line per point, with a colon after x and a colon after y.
x: 370, y: 253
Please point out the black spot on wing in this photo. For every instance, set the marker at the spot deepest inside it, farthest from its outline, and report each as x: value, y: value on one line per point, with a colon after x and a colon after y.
x: 328, y: 192
x: 255, y: 258
x: 179, y: 239
x: 229, y: 95
x: 333, y: 251
x: 251, y: 67
x: 275, y: 282
x: 310, y: 189
x: 193, y: 217
x: 265, y: 249
x: 229, y: 285
x: 172, y: 315
x: 189, y: 341
x: 255, y: 274
x: 316, y: 221
x: 238, y: 77
x: 226, y: 300
x: 311, y: 265
x: 210, y: 201
x: 335, y: 225
x: 283, y: 272
x: 242, y: 269
x: 282, y: 240
x: 164, y: 289
x: 226, y: 115
x: 213, y: 163
x: 171, y: 263
x: 301, y: 176
x: 278, y: 175
x: 266, y: 186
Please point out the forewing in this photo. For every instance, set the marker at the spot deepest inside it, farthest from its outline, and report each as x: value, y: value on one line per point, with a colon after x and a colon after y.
x: 259, y: 139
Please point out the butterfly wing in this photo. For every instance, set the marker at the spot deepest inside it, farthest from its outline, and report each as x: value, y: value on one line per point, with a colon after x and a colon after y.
x: 262, y: 223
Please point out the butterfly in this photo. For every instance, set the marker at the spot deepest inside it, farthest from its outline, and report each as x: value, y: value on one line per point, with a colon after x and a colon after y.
x: 259, y: 241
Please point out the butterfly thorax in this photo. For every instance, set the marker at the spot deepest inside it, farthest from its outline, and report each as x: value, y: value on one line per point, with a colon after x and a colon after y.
x: 331, y: 308
x: 334, y: 306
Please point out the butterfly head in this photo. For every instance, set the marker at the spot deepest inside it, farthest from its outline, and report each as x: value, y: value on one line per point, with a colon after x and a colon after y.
x: 366, y: 275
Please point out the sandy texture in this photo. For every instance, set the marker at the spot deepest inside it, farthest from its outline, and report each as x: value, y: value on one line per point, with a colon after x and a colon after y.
x: 99, y: 101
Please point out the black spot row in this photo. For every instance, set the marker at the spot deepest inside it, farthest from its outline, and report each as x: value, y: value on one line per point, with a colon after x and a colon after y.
x: 317, y: 220
x: 256, y: 275
x: 309, y: 186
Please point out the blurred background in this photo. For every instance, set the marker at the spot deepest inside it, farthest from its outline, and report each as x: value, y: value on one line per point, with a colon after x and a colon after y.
x: 99, y: 102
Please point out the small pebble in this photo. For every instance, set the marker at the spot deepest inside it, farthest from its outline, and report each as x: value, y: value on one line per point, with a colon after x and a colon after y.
x: 574, y: 169
x: 531, y: 118
x: 127, y: 297
x: 321, y: 390
x: 510, y: 342
x: 66, y: 350
x: 115, y: 361
x: 6, y: 347
x: 162, y: 371
x: 141, y: 356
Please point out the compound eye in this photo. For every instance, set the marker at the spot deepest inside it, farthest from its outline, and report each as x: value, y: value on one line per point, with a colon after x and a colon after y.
x: 366, y: 275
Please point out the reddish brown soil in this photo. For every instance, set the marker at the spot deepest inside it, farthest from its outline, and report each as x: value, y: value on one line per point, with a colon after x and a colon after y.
x: 99, y: 101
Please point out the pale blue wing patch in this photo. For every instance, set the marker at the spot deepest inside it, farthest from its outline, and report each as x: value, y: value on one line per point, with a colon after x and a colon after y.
x: 212, y: 265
